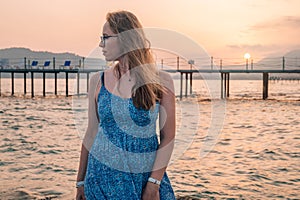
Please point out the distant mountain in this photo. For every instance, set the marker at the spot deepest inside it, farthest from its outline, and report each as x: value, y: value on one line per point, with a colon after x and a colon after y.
x: 293, y: 54
x: 291, y: 60
x: 21, y: 52
x: 15, y: 56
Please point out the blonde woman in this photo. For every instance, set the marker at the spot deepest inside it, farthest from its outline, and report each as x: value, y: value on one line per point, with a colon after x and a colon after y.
x: 122, y: 155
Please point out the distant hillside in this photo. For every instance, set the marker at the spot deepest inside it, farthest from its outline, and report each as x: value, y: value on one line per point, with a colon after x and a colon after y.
x: 20, y: 52
x: 15, y: 56
x: 293, y: 54
x: 291, y: 61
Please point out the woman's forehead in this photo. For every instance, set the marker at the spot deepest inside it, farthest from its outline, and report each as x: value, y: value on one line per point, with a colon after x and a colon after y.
x: 107, y: 29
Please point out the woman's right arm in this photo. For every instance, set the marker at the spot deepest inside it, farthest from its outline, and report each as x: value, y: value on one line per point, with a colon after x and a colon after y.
x: 81, y: 172
x: 90, y: 132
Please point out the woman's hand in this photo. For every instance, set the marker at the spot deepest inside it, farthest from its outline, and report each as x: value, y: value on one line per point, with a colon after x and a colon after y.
x: 151, y: 192
x: 80, y: 194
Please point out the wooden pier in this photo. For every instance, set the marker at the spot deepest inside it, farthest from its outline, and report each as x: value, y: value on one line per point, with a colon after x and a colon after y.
x: 188, y: 74
x: 225, y: 79
x: 32, y: 72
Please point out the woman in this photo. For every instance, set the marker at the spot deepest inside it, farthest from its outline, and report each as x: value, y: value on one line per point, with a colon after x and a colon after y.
x: 121, y: 157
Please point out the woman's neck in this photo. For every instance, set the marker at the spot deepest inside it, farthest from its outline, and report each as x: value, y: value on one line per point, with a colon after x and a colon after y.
x: 123, y: 69
x: 123, y: 66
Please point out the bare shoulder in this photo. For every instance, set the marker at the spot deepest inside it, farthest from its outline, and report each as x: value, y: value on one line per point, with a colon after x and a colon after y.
x: 95, y: 82
x: 94, y: 78
x: 166, y: 81
x: 165, y: 76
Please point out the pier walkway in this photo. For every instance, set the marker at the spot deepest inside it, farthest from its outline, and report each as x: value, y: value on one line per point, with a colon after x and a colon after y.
x: 225, y: 78
x: 188, y: 73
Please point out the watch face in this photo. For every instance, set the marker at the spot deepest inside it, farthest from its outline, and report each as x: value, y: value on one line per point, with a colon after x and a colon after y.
x: 79, y: 184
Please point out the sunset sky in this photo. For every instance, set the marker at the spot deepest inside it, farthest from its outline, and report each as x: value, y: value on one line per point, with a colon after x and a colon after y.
x: 225, y: 28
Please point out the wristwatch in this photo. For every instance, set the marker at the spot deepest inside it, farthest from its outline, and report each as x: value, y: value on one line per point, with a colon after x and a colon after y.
x: 153, y: 180
x: 79, y: 184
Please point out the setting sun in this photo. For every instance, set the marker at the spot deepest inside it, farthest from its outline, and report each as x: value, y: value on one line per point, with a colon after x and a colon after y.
x: 247, y: 56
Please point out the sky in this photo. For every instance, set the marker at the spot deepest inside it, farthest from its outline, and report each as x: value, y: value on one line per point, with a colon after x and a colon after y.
x: 224, y: 28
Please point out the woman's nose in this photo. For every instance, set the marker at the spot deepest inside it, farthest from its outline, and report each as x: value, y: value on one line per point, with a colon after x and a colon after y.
x: 101, y: 44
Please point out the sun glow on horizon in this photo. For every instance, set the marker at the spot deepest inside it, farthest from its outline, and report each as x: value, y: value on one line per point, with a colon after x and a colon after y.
x: 247, y: 56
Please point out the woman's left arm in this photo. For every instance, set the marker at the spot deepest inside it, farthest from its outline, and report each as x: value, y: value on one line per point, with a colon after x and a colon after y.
x: 167, y: 123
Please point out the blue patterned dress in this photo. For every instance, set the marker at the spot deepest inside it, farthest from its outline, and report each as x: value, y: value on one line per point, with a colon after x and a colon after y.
x: 123, y: 152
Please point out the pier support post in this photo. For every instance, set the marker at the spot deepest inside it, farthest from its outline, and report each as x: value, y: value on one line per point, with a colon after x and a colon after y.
x: 225, y: 77
x: 191, y: 82
x: 44, y: 84
x: 78, y: 77
x: 67, y: 84
x: 265, y: 85
x: 55, y: 83
x: 222, y: 85
x: 25, y: 83
x: 186, y: 84
x: 227, y: 84
x: 181, y: 74
x: 32, y: 84
x: 87, y: 81
x: 12, y: 84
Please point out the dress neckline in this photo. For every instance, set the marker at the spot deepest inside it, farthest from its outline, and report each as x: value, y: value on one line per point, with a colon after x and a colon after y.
x: 109, y: 92
x: 112, y: 94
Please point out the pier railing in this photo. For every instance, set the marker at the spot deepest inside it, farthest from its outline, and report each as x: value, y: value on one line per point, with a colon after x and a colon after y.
x: 214, y: 63
x: 51, y: 63
x: 176, y: 62
x: 224, y: 67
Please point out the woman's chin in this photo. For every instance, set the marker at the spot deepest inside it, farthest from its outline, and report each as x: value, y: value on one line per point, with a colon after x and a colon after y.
x: 109, y: 59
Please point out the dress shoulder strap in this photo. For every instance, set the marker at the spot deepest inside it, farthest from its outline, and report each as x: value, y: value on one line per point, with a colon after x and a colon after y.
x: 98, y: 88
x: 102, y: 77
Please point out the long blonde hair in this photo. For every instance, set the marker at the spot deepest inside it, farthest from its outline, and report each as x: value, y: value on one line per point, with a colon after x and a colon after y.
x: 135, y: 48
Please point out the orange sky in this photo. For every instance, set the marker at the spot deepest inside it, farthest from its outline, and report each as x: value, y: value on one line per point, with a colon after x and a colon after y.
x: 225, y: 28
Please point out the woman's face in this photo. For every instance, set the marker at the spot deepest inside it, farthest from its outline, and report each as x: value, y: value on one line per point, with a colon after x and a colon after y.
x: 109, y: 44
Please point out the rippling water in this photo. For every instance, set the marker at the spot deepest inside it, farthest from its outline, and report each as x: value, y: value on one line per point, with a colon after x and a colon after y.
x: 255, y: 156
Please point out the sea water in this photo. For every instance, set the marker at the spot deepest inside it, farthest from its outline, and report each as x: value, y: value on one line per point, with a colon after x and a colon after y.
x: 254, y: 153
